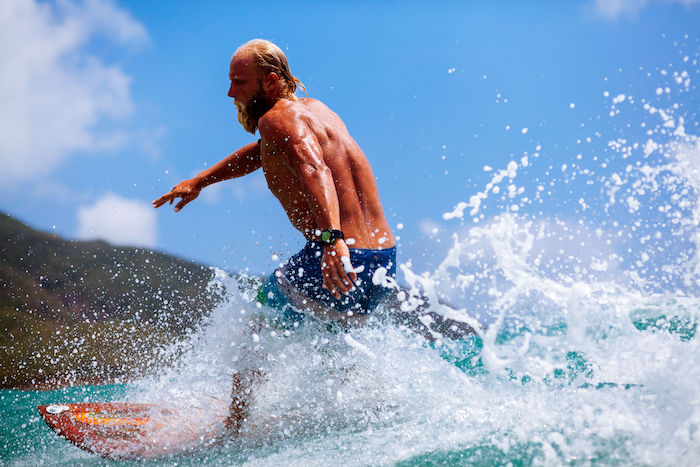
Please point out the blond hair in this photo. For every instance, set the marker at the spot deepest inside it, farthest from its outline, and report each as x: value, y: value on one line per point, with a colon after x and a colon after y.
x: 270, y: 59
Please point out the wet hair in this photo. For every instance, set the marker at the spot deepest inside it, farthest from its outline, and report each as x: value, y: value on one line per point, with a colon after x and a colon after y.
x: 270, y: 59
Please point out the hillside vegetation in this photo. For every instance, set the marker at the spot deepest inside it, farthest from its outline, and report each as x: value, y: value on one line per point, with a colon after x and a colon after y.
x: 76, y: 312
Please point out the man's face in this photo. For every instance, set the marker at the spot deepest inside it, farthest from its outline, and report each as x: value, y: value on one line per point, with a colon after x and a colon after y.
x: 247, y: 92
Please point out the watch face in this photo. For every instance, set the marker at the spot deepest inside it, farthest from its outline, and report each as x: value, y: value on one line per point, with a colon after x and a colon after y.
x: 326, y: 236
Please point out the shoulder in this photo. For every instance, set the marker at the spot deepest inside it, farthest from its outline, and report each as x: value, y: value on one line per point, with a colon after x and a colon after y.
x: 287, y: 116
x: 280, y: 116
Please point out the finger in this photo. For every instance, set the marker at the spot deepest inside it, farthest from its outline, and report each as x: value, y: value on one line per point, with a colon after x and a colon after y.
x: 339, y: 283
x: 345, y: 276
x: 351, y: 277
x: 182, y: 203
x: 340, y: 287
x: 333, y: 283
x: 328, y: 285
x: 347, y: 267
x: 162, y: 200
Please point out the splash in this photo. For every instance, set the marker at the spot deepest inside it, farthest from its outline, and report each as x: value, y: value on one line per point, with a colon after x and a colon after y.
x: 578, y: 283
x: 560, y: 326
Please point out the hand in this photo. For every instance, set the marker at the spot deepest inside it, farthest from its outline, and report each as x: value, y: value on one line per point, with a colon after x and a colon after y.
x: 336, y: 277
x: 188, y: 190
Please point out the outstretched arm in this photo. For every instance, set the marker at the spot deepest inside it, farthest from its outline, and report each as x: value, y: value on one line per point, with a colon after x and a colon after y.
x: 302, y: 152
x: 242, y: 162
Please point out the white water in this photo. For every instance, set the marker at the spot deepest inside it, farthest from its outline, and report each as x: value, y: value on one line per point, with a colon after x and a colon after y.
x: 586, y: 314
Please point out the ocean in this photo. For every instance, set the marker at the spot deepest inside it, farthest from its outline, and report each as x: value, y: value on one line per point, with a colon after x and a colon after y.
x: 580, y: 277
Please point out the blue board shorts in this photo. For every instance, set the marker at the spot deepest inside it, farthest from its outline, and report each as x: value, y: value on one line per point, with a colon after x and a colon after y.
x: 300, y: 279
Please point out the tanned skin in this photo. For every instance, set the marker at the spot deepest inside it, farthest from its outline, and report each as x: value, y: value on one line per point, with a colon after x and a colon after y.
x: 312, y: 165
x: 317, y: 172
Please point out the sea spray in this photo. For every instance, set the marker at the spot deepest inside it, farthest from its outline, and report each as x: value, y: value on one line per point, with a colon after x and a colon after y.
x: 578, y: 274
x: 584, y: 323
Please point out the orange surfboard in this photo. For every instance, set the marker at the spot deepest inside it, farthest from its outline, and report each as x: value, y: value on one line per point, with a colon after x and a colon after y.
x: 121, y: 430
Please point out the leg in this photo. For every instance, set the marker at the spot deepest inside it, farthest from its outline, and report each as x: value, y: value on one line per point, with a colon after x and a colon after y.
x: 237, y: 412
x: 241, y: 393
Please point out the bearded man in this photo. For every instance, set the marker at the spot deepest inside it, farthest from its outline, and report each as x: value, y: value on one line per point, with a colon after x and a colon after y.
x: 324, y: 183
x: 326, y: 186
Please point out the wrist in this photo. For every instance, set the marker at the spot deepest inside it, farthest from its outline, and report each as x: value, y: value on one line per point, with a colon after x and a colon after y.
x: 329, y: 236
x: 332, y: 246
x: 200, y: 181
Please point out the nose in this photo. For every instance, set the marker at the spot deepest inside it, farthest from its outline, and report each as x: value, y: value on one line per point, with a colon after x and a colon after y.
x: 230, y: 91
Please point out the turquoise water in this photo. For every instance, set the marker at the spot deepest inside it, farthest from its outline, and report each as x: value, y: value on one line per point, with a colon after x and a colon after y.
x: 451, y: 410
x: 26, y: 440
x: 579, y: 274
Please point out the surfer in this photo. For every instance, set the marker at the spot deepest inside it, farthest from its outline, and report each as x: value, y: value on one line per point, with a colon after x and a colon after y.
x: 322, y: 179
x: 324, y: 183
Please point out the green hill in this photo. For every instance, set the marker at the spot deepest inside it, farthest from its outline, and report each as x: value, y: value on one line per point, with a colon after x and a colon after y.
x: 87, y: 312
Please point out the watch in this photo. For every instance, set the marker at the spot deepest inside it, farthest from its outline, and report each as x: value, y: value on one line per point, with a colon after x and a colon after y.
x: 329, y: 236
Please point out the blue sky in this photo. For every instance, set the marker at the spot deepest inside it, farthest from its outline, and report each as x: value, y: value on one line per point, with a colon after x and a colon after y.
x: 110, y: 104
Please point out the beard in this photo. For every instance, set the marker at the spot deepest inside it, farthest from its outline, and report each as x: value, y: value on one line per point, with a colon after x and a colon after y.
x: 250, y: 112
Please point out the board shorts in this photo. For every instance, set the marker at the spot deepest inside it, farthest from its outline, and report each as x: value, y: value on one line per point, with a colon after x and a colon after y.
x: 299, y: 280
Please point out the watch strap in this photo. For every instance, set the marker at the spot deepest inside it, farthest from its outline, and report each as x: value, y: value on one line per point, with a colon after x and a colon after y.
x: 329, y: 236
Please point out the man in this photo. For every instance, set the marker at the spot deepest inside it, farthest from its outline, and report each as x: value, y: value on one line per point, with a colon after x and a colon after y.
x: 324, y: 183
x: 326, y: 186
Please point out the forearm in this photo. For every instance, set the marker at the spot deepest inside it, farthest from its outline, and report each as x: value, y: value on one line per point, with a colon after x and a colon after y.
x: 321, y: 196
x: 240, y: 163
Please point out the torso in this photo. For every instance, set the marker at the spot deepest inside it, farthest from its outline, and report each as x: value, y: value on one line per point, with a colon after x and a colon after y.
x: 361, y: 214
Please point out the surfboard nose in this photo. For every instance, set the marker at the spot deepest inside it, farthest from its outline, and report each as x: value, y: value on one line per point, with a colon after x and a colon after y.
x: 52, y: 409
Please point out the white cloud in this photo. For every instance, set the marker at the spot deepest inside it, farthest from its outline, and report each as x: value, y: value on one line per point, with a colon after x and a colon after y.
x: 118, y: 220
x: 54, y: 93
x: 613, y: 9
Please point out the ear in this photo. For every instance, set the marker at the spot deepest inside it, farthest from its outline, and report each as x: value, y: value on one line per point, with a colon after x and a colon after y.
x: 271, y: 82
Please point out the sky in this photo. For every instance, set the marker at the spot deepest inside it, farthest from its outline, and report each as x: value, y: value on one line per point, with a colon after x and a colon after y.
x: 109, y: 104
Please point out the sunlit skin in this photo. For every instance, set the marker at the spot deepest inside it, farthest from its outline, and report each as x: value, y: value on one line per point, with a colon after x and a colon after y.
x: 312, y: 165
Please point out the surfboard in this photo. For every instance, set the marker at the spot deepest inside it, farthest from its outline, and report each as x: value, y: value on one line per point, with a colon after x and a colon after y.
x: 120, y: 430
